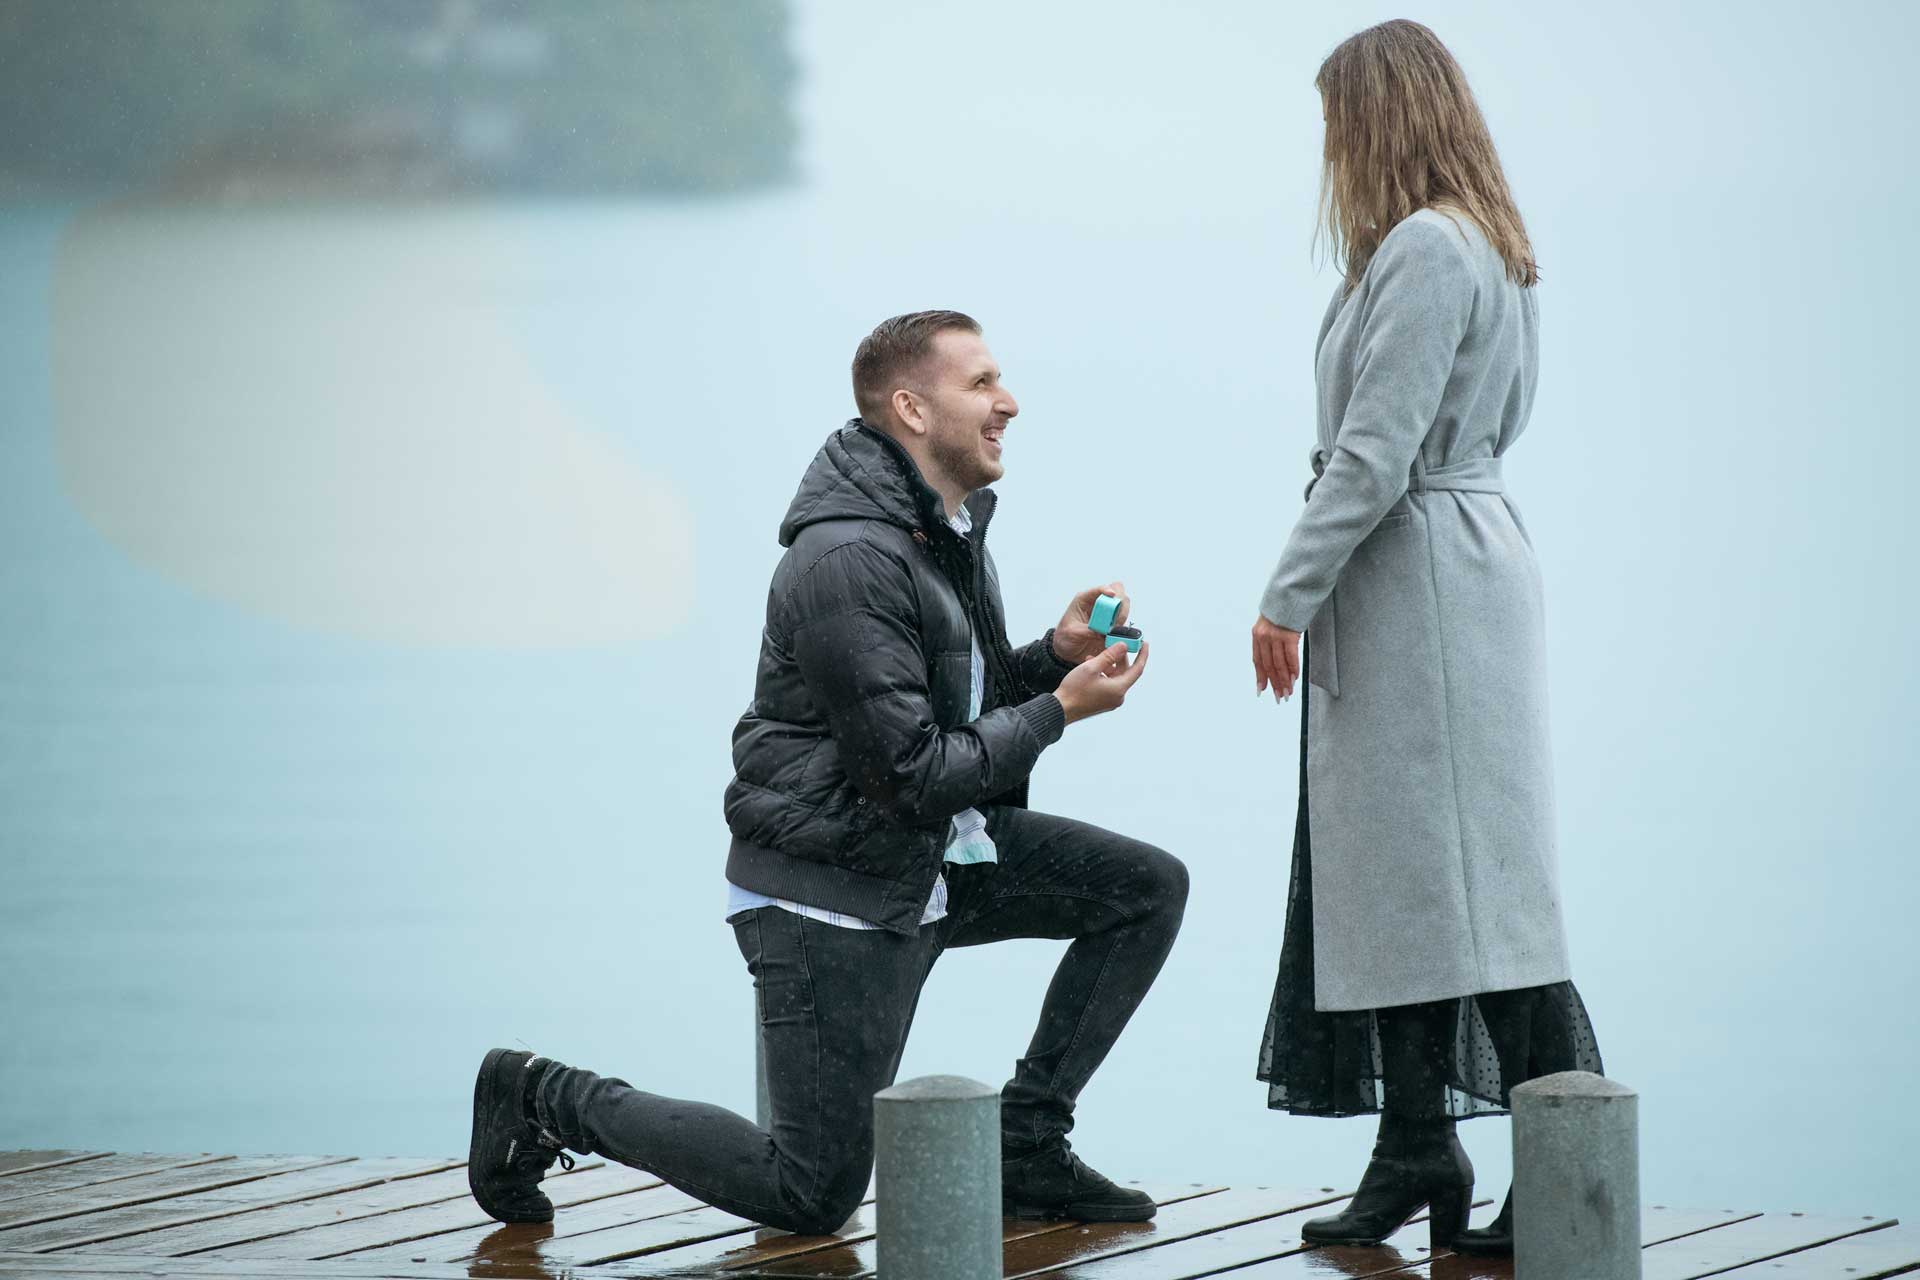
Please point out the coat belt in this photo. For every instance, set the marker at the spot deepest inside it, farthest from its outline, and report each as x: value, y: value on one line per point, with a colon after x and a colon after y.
x: 1472, y: 475
x: 1464, y: 476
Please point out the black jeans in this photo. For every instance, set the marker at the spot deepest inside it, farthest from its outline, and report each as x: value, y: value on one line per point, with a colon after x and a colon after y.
x: 836, y: 1004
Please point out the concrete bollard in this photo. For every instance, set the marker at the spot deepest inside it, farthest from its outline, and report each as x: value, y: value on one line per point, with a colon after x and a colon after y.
x: 1576, y: 1179
x: 937, y: 1146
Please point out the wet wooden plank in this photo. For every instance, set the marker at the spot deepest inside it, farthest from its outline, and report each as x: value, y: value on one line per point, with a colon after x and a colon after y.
x: 12, y: 1162
x: 1756, y: 1239
x: 344, y: 1206
x: 1690, y: 1242
x: 1657, y: 1224
x: 637, y: 1233
x: 107, y: 1266
x: 505, y: 1256
x: 1037, y: 1244
x: 225, y: 1172
x: 555, y: 1240
x: 767, y: 1247
x: 695, y: 1226
x: 774, y: 1253
x: 638, y: 1196
x: 1271, y: 1247
x: 848, y: 1251
x: 1404, y: 1249
x: 338, y: 1239
x: 1246, y: 1220
x: 110, y: 1168
x: 1460, y: 1266
x: 1871, y: 1255
x: 857, y: 1259
x: 122, y: 1228
x: 269, y: 1218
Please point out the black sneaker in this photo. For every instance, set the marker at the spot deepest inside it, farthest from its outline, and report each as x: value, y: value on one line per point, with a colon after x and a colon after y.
x: 1055, y: 1183
x: 510, y: 1153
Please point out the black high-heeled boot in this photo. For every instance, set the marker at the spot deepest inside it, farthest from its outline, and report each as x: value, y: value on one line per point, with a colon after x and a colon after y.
x: 1416, y: 1164
x: 1493, y: 1240
x: 1417, y: 1159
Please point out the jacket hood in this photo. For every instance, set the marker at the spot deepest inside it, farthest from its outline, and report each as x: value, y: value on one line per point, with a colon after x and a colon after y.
x: 861, y: 474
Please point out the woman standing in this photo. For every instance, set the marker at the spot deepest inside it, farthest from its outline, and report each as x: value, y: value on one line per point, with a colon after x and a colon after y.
x: 1424, y: 970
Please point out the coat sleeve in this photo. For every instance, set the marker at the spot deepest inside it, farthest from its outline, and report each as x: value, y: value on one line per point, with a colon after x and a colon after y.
x: 857, y: 645
x: 1038, y: 667
x: 1419, y: 301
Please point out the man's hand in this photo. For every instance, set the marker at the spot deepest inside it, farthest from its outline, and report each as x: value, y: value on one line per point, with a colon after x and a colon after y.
x: 1073, y: 639
x: 1276, y: 659
x: 1101, y: 682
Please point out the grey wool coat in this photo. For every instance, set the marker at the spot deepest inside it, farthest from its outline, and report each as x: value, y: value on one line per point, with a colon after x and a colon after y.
x: 1430, y: 782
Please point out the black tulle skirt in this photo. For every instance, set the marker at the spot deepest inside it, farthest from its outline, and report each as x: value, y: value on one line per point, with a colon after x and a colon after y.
x: 1329, y: 1064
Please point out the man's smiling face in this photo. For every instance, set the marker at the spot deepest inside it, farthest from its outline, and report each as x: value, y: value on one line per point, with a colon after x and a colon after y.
x: 967, y: 409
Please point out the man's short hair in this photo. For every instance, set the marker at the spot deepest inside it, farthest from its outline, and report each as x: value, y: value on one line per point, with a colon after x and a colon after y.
x: 893, y: 348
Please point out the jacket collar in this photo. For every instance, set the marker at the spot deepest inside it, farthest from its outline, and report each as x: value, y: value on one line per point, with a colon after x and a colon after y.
x: 863, y: 473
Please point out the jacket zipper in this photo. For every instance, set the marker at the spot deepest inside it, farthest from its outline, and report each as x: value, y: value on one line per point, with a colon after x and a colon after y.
x: 977, y: 615
x: 982, y: 622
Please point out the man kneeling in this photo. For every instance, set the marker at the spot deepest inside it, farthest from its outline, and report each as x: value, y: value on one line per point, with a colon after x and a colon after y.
x: 879, y: 816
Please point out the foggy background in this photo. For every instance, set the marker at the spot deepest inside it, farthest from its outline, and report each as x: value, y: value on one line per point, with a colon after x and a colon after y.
x: 397, y: 406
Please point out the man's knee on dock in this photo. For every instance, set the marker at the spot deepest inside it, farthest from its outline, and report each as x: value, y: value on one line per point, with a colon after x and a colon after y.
x: 824, y: 1209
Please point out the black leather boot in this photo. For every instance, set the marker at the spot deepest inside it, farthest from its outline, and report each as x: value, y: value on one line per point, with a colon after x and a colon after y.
x: 1416, y: 1164
x: 1493, y: 1240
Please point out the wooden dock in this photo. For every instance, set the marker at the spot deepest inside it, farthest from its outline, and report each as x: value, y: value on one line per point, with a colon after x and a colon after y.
x: 75, y: 1214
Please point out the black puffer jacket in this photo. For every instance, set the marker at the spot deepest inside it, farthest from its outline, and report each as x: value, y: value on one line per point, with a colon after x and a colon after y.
x: 857, y: 751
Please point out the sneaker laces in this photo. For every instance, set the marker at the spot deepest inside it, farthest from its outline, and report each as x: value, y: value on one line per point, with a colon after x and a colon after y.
x: 534, y: 1158
x: 548, y: 1138
x: 543, y: 1137
x: 1078, y: 1171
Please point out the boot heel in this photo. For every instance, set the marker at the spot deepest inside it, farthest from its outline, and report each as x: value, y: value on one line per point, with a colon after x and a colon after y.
x: 1447, y: 1216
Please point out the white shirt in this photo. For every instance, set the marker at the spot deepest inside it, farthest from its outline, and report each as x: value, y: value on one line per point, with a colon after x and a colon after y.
x: 967, y: 842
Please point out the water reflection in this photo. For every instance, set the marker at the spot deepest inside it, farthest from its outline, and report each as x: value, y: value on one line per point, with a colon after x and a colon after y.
x: 1458, y: 1266
x: 513, y: 1252
x: 1341, y: 1260
x: 705, y: 1241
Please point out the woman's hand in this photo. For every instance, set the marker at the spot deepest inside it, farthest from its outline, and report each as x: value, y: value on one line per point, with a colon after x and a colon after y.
x: 1276, y: 659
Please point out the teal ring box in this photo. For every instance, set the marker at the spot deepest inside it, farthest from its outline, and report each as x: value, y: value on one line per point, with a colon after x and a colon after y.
x: 1101, y: 621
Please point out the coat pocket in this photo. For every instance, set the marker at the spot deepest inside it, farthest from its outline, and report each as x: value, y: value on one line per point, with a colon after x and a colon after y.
x: 1393, y: 520
x: 1323, y: 661
x: 1323, y: 631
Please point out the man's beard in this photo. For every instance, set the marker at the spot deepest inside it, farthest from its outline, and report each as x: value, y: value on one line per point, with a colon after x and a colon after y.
x: 960, y: 459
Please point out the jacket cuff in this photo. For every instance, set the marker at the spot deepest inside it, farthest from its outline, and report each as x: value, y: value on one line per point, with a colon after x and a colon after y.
x: 1039, y: 668
x: 1045, y: 716
x: 1060, y: 664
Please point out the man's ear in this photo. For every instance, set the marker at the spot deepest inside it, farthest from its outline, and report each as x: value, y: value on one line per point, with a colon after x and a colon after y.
x: 906, y: 407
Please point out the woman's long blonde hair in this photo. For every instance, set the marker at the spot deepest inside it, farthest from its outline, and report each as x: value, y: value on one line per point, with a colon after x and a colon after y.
x: 1404, y: 133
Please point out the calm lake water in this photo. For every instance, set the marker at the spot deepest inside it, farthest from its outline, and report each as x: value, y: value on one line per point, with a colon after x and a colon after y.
x: 378, y: 588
